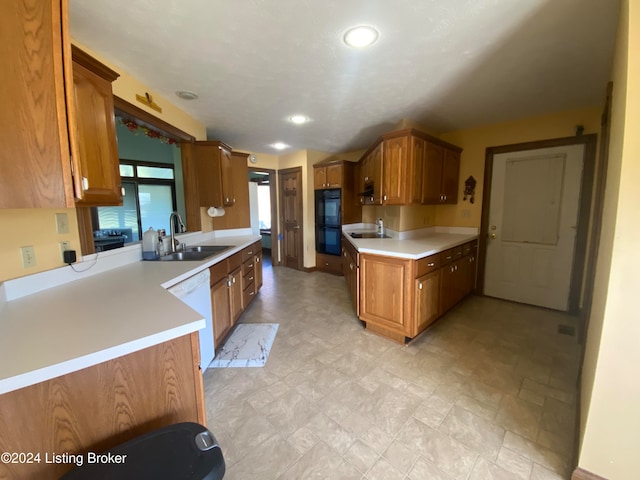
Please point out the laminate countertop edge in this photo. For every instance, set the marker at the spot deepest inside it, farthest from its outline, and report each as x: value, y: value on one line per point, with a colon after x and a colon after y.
x: 96, y: 319
x: 411, y: 249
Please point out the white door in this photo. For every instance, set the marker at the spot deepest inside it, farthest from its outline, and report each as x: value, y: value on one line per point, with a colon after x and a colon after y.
x: 533, y: 216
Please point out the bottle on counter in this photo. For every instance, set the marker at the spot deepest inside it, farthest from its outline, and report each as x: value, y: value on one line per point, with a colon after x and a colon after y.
x: 380, y: 227
x: 150, y: 245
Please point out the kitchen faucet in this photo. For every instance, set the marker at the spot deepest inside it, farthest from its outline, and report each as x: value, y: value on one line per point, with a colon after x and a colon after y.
x: 172, y: 227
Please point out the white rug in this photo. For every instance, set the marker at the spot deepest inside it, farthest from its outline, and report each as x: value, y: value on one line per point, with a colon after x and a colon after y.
x: 248, y: 346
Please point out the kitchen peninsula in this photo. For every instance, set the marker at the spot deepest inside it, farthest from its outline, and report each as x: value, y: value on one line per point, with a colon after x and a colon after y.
x: 114, y: 356
x: 401, y: 285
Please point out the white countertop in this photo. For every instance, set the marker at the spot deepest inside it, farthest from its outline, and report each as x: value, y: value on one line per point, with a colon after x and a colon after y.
x: 98, y: 318
x: 410, y: 248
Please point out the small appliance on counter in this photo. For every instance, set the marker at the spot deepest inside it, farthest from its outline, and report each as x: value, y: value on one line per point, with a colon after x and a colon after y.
x: 109, y: 238
x: 150, y: 245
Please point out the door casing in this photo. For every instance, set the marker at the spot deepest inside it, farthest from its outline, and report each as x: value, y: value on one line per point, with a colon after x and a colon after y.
x: 586, y: 191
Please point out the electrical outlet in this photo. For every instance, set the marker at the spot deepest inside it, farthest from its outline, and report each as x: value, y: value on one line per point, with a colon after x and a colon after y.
x: 466, y: 213
x: 28, y: 256
x: 64, y: 246
x: 62, y: 223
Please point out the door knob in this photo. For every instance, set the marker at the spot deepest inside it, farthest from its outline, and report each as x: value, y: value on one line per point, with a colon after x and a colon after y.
x: 492, y: 236
x: 296, y: 226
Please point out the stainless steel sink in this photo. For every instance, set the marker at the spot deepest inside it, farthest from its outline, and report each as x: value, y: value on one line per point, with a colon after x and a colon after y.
x: 195, y: 253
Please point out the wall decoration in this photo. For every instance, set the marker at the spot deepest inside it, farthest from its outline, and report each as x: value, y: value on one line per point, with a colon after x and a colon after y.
x: 470, y: 189
x: 148, y: 101
x: 134, y: 128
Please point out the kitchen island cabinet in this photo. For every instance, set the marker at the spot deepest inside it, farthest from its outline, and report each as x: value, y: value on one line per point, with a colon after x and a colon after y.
x: 401, y: 297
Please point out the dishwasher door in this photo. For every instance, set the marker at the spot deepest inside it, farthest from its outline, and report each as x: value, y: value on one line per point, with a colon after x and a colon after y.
x: 195, y: 293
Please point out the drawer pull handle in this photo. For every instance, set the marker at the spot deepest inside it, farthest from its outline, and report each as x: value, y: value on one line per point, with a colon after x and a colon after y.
x: 251, y: 294
x: 250, y: 278
x: 250, y: 265
x: 449, y: 257
x: 431, y: 264
x: 250, y: 253
x: 420, y: 285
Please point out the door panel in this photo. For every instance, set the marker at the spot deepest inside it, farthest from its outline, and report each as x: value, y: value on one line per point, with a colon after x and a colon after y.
x: 291, y: 217
x: 533, y: 217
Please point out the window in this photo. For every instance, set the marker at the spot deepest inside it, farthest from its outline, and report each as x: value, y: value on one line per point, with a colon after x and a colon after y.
x: 150, y: 197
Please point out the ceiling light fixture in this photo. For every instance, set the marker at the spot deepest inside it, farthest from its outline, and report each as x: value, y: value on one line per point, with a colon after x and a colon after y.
x: 186, y: 95
x: 279, y: 145
x: 360, y: 36
x: 298, y: 119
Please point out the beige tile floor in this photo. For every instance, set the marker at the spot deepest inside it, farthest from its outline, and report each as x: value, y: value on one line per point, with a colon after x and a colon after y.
x: 487, y: 393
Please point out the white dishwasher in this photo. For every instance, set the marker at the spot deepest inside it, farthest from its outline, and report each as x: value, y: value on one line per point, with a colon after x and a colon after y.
x: 195, y: 293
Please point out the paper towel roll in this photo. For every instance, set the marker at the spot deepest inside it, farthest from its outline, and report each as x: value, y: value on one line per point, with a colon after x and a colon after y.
x: 215, y: 211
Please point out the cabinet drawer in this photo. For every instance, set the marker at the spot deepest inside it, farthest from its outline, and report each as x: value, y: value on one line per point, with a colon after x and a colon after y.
x: 446, y: 257
x: 250, y: 251
x: 329, y: 263
x: 217, y: 272
x: 248, y: 278
x: 234, y: 261
x: 427, y: 264
x: 248, y: 294
x: 469, y: 248
x: 248, y: 266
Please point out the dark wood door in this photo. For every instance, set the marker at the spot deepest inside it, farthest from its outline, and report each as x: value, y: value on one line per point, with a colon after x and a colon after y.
x: 291, y: 217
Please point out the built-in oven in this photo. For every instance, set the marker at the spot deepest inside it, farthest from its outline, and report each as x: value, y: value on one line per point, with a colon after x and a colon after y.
x: 328, y: 207
x: 328, y: 240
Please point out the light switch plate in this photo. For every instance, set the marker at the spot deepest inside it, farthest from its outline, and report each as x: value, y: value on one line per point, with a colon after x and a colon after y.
x: 28, y: 256
x: 62, y: 223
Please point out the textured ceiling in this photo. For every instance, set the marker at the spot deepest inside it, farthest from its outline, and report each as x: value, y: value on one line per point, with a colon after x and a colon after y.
x: 447, y: 64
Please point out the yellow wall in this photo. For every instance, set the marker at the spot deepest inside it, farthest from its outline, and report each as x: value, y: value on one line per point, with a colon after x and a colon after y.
x: 35, y: 227
x: 474, y: 142
x: 610, y: 388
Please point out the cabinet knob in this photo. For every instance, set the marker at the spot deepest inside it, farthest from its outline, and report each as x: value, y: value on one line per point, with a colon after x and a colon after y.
x: 258, y: 260
x: 384, y: 197
x: 85, y: 183
x: 351, y: 266
x: 420, y: 285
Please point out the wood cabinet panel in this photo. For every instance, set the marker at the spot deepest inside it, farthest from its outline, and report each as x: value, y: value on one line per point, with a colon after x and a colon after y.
x: 384, y: 296
x: 395, y: 177
x: 450, y: 175
x: 427, y: 298
x: 335, y: 175
x: 416, y: 166
x: 35, y: 168
x: 329, y: 263
x: 319, y: 177
x: 227, y: 171
x: 235, y: 294
x: 93, y: 139
x: 220, y: 310
x: 432, y: 173
x: 102, y: 406
x: 258, y: 270
x: 237, y: 214
x: 351, y: 273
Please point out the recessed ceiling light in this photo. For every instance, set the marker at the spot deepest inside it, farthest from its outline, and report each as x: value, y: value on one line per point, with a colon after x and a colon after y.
x: 360, y: 36
x: 185, y: 95
x: 279, y: 145
x: 298, y: 119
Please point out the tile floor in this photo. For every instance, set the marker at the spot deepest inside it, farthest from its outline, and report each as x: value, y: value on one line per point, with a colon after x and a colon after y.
x: 487, y: 393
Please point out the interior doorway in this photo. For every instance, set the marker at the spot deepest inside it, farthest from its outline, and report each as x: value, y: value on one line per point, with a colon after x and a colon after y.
x: 263, y: 206
x: 290, y: 188
x: 530, y: 260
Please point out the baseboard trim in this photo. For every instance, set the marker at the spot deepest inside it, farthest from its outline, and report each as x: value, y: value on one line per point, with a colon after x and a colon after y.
x: 310, y: 269
x: 582, y: 474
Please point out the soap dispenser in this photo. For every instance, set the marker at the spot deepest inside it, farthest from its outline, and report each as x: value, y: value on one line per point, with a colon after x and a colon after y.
x: 150, y: 245
x: 380, y: 229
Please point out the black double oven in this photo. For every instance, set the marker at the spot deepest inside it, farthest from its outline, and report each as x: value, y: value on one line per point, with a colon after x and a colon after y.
x: 328, y: 221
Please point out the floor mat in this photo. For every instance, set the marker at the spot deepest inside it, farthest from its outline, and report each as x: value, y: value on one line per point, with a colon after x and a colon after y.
x: 248, y: 346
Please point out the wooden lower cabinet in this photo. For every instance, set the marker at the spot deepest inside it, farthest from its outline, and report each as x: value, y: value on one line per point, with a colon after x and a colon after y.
x: 427, y: 290
x: 235, y: 282
x: 102, y: 406
x: 400, y: 298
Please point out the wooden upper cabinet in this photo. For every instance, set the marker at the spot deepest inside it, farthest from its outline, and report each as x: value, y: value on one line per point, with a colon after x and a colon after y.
x: 35, y: 171
x: 328, y: 176
x: 440, y: 175
x: 395, y: 169
x: 432, y: 173
x: 237, y: 213
x: 416, y: 165
x: 450, y: 176
x: 227, y: 173
x: 92, y: 133
x: 214, y: 173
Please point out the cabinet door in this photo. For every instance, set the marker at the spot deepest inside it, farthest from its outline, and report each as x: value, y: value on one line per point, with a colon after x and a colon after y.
x: 220, y: 310
x: 334, y: 175
x: 206, y: 158
x: 450, y: 175
x: 353, y: 282
x: 395, y: 175
x: 384, y: 296
x: 237, y: 215
x: 235, y: 294
x: 375, y: 173
x: 226, y: 172
x: 35, y: 171
x: 93, y: 140
x: 319, y: 178
x: 447, y: 287
x: 258, y: 268
x: 427, y: 298
x: 432, y: 173
x: 416, y: 167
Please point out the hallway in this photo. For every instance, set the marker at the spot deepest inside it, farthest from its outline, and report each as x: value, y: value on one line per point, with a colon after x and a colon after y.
x: 487, y: 393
